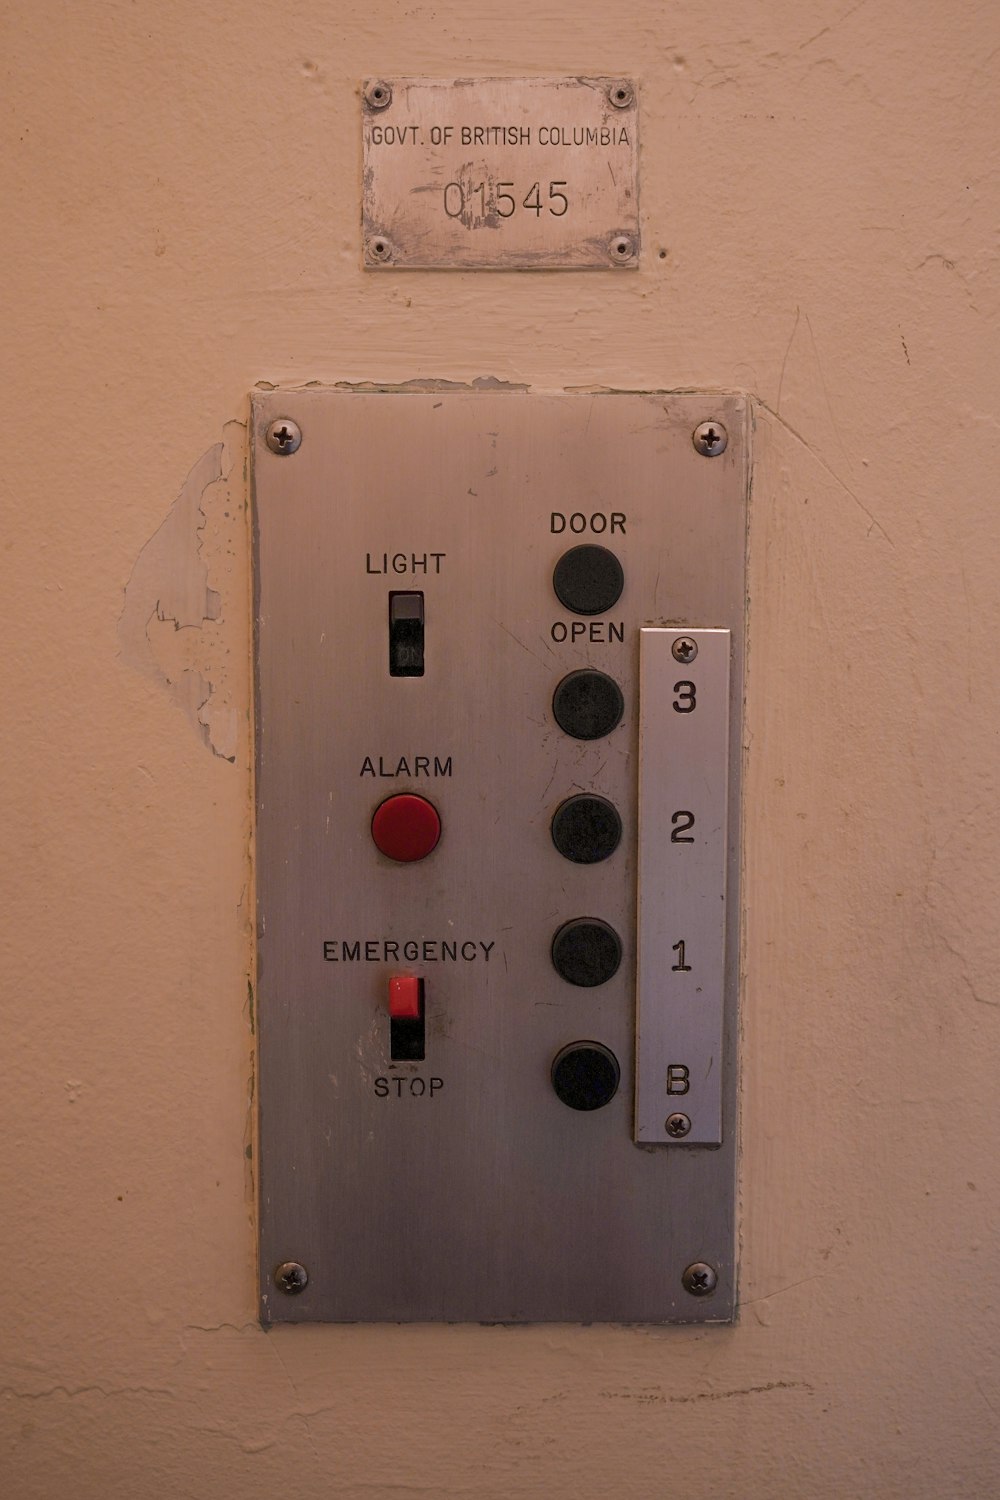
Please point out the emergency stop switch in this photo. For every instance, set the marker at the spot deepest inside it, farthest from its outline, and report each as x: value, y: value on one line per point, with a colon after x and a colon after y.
x: 406, y: 1018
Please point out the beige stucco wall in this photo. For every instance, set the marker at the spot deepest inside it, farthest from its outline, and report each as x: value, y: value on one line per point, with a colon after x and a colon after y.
x: 180, y: 190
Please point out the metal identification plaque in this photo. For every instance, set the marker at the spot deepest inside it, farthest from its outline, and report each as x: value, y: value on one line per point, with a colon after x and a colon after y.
x: 500, y: 173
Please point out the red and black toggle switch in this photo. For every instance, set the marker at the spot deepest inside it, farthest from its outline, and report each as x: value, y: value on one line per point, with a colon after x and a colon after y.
x: 406, y: 1018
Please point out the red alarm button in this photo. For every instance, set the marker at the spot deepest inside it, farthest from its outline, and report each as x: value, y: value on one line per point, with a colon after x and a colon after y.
x: 406, y: 827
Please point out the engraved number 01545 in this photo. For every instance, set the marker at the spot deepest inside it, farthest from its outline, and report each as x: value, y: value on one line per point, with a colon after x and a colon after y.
x: 457, y: 195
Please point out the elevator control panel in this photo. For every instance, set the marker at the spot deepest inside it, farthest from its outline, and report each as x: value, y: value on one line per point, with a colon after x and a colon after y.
x: 499, y: 685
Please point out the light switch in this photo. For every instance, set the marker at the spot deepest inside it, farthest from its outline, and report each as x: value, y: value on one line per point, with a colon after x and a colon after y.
x: 406, y: 634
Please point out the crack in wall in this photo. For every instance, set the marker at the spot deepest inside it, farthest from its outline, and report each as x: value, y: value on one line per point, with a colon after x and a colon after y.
x: 656, y: 1396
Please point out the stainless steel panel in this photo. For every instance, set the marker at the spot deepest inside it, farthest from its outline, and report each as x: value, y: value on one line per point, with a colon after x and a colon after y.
x: 500, y: 173
x: 683, y: 855
x: 461, y: 1187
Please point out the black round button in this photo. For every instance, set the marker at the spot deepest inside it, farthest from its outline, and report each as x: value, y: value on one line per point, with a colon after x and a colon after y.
x: 585, y: 1075
x: 588, y: 704
x: 586, y: 951
x: 586, y: 829
x: 588, y: 580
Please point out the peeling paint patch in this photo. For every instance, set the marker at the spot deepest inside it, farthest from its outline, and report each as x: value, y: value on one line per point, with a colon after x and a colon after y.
x: 480, y: 383
x: 426, y: 386
x: 172, y: 627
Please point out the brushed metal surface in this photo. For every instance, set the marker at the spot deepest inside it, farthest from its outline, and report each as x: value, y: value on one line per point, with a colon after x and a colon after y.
x: 461, y: 1188
x: 500, y: 173
x: 683, y: 855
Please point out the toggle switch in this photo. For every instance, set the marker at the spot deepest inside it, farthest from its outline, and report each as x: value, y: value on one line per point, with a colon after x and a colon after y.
x: 406, y: 1018
x: 406, y: 634
x: 405, y: 998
